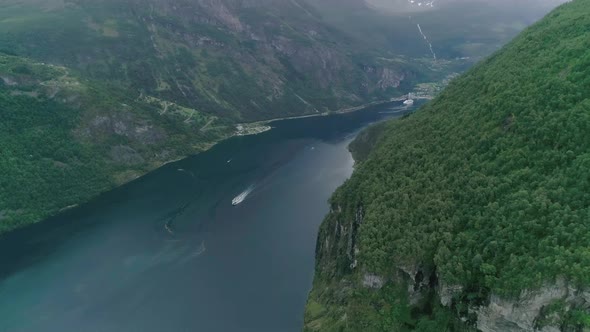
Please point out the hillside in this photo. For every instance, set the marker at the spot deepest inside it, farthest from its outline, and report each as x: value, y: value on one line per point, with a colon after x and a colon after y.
x: 456, y: 29
x: 242, y: 60
x: 472, y: 213
x: 64, y: 139
x: 97, y: 93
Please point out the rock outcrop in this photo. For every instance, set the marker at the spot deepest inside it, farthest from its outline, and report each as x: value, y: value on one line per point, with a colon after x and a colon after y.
x: 525, y: 313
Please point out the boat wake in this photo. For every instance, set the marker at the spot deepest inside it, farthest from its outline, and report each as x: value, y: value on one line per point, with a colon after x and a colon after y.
x: 242, y: 196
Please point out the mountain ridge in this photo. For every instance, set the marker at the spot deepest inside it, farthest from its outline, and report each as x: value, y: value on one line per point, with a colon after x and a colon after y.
x: 139, y: 83
x: 470, y: 213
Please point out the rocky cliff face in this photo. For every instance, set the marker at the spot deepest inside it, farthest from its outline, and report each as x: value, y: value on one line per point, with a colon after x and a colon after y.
x: 535, y: 310
x: 545, y: 309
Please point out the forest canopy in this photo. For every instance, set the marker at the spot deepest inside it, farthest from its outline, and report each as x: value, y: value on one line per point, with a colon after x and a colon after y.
x: 488, y: 185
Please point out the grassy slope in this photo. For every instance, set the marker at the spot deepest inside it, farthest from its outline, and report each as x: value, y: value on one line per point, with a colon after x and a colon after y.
x: 485, y: 187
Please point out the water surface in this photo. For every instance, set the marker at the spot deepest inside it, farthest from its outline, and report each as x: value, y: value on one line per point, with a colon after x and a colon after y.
x: 169, y: 252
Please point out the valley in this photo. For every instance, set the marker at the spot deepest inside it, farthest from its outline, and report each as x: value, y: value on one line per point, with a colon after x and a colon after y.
x: 131, y: 85
x: 471, y: 214
x: 166, y: 165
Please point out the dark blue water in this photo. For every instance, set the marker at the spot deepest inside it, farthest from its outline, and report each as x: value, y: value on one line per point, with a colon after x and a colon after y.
x: 169, y: 252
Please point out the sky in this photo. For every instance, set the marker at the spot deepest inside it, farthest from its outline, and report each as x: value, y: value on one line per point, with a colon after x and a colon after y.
x: 532, y: 7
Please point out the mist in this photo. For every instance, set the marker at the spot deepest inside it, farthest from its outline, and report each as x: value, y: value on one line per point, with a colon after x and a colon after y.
x: 529, y: 8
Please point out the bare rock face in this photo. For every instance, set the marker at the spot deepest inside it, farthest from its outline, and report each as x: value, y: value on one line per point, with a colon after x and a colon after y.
x: 550, y: 329
x: 125, y: 155
x: 219, y: 11
x: 447, y: 292
x: 418, y: 279
x: 373, y: 281
x: 125, y: 125
x: 520, y: 315
x: 8, y: 81
x: 389, y: 79
x: 383, y: 77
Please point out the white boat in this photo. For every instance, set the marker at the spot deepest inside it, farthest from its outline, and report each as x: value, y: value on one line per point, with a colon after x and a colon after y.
x: 241, y: 197
x: 409, y: 102
x: 238, y: 199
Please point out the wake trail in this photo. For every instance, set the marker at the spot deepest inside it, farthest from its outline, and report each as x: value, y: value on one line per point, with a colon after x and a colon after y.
x: 427, y: 41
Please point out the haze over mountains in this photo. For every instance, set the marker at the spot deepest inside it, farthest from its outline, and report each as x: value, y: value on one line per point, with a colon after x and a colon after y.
x: 533, y: 7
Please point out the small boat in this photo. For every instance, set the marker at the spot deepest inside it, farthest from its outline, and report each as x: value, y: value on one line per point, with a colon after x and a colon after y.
x: 238, y: 199
x: 241, y: 197
x: 409, y: 102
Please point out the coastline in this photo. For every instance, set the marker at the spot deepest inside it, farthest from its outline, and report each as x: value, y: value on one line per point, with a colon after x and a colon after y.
x: 251, y: 128
x: 339, y: 111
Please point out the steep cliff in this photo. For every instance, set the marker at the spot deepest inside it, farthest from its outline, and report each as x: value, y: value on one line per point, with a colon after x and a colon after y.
x: 472, y: 213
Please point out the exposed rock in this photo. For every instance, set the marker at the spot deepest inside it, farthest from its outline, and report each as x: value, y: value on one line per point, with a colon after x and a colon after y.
x: 383, y: 77
x: 389, y: 79
x: 125, y: 155
x: 520, y: 315
x: 373, y: 281
x: 123, y: 125
x: 32, y: 94
x: 352, y: 249
x: 8, y: 81
x: 164, y: 154
x: 420, y: 280
x: 447, y: 292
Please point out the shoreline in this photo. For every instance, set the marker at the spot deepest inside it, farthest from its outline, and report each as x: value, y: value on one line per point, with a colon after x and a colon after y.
x: 339, y: 111
x: 255, y: 128
x: 259, y: 127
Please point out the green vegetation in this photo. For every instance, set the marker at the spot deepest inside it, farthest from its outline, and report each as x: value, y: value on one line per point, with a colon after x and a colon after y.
x: 95, y: 93
x: 38, y: 151
x: 63, y: 140
x: 244, y: 64
x: 486, y: 187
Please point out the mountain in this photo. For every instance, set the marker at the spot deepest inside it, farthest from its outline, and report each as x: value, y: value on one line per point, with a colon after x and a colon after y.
x: 429, y: 5
x: 95, y: 93
x: 472, y: 213
x: 243, y: 60
x: 464, y: 29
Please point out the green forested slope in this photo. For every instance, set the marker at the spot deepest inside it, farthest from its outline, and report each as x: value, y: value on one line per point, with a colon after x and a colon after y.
x: 485, y: 190
x: 241, y: 60
x: 96, y: 93
x: 64, y: 139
